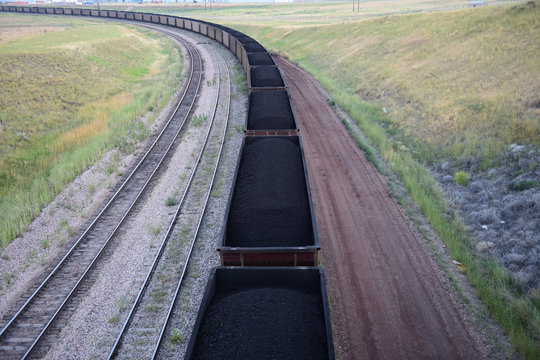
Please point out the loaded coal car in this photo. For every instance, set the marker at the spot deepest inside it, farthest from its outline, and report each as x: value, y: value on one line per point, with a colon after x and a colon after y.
x: 270, y: 113
x: 179, y: 22
x: 250, y: 44
x: 171, y: 20
x: 147, y: 17
x: 163, y: 19
x: 269, y: 218
x: 265, y: 78
x: 260, y: 58
x: 203, y: 28
x: 263, y: 313
x: 187, y: 24
x: 195, y: 26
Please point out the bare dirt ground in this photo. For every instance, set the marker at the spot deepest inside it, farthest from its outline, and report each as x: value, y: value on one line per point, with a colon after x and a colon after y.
x: 389, y: 298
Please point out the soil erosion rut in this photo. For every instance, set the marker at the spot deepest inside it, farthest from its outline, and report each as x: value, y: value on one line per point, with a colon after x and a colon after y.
x: 388, y: 299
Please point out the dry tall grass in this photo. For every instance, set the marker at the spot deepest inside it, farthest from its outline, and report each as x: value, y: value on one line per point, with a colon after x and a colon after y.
x: 68, y: 97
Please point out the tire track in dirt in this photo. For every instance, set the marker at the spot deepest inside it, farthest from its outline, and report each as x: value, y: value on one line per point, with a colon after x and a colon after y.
x: 387, y: 294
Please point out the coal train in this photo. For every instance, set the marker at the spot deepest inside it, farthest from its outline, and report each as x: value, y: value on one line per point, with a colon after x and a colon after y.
x: 268, y: 299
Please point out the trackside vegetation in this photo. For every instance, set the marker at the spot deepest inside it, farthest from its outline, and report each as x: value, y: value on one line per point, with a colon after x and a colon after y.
x: 71, y: 91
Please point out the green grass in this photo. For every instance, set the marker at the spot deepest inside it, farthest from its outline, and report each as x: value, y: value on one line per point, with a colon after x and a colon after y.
x: 198, y: 120
x: 67, y: 97
x: 176, y: 337
x: 451, y: 81
x: 171, y: 201
x: 461, y: 178
x: 299, y: 14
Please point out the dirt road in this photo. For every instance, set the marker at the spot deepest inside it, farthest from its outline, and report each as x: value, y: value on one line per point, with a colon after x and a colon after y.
x: 387, y: 294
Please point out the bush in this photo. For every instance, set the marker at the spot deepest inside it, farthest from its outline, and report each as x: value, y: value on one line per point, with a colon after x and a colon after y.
x: 461, y: 178
x: 171, y: 201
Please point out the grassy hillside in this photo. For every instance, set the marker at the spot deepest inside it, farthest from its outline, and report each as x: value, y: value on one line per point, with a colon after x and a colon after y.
x: 434, y: 87
x: 71, y: 90
x: 300, y: 13
x: 455, y: 84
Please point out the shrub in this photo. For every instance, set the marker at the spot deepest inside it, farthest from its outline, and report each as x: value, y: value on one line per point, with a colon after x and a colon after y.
x: 171, y: 201
x: 176, y: 336
x: 461, y: 178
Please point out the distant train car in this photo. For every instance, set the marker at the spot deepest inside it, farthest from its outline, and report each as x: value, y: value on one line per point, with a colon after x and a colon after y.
x: 203, y: 29
x: 179, y: 22
x: 218, y: 35
x: 211, y: 32
x: 195, y: 26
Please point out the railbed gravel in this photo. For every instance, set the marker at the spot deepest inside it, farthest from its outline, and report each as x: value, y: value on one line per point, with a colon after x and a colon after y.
x: 204, y: 256
x: 92, y: 329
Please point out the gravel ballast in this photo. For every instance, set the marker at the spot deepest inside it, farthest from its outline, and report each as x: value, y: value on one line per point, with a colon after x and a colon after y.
x: 204, y: 256
x: 270, y: 206
x: 95, y: 324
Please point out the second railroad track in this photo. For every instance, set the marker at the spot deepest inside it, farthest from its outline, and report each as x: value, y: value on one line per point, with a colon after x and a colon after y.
x: 25, y: 332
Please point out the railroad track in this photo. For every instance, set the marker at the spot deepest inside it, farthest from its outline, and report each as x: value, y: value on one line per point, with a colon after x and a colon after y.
x: 25, y: 333
x: 145, y: 326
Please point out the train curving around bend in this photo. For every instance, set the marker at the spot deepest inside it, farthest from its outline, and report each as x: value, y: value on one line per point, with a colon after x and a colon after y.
x: 268, y: 299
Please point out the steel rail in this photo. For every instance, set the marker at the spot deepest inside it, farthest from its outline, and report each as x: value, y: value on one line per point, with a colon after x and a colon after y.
x: 170, y: 228
x: 184, y: 269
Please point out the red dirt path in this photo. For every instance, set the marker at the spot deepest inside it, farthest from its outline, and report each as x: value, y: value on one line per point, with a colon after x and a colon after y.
x: 387, y: 294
